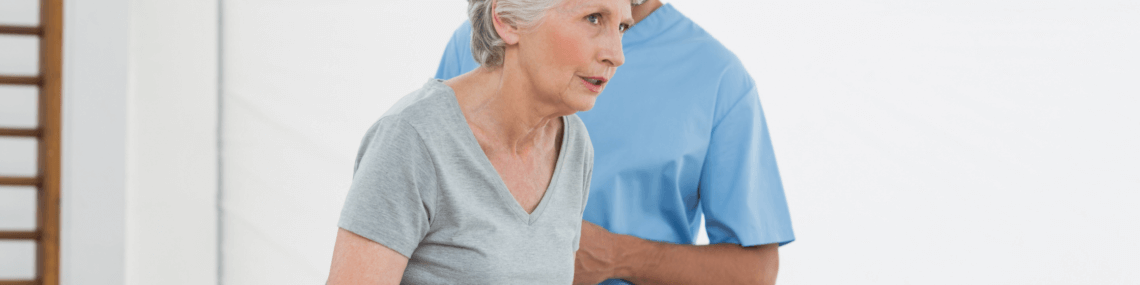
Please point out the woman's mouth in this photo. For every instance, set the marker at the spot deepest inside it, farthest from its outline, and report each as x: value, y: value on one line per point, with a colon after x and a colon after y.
x: 593, y: 83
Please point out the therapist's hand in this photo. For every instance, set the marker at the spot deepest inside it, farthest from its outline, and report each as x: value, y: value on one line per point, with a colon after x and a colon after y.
x: 604, y: 255
x: 596, y: 255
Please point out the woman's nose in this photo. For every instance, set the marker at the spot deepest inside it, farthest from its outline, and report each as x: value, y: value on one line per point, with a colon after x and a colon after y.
x: 611, y: 53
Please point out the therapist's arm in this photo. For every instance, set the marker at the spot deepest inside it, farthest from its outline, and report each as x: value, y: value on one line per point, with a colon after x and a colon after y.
x: 602, y: 255
x: 358, y: 260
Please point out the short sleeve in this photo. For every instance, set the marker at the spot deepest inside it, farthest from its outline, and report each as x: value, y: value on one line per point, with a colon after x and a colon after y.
x: 586, y: 191
x: 740, y: 189
x: 392, y: 177
x: 457, y: 58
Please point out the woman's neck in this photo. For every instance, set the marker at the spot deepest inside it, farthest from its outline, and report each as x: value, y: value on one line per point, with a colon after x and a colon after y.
x: 504, y: 111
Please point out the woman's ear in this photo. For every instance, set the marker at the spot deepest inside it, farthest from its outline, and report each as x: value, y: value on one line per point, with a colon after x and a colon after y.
x: 507, y: 30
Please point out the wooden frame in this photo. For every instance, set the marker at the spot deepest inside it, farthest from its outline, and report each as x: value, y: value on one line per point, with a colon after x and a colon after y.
x: 48, y: 134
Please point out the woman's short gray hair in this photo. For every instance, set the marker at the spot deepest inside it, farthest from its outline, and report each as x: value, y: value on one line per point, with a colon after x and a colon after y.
x: 486, y: 45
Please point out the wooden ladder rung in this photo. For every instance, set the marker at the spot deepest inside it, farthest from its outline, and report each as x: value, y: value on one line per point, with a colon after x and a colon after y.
x: 20, y: 30
x: 19, y: 181
x: 4, y: 132
x: 19, y: 282
x: 20, y: 80
x: 19, y: 235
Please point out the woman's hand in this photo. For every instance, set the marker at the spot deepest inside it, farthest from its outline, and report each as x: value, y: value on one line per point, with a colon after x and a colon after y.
x: 358, y: 260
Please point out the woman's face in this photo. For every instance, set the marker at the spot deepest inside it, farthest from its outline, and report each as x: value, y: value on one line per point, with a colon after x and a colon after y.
x: 574, y: 52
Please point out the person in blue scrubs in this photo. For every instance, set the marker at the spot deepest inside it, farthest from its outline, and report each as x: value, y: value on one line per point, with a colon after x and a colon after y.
x: 678, y: 134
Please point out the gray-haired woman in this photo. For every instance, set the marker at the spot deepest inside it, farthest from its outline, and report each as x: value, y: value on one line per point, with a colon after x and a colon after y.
x: 482, y: 179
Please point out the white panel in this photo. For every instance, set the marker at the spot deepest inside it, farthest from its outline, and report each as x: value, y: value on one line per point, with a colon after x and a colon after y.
x: 19, y: 260
x: 93, y: 198
x: 18, y: 156
x: 20, y: 55
x: 17, y: 208
x: 20, y: 12
x: 172, y: 133
x: 18, y: 106
x: 303, y: 81
x: 949, y: 142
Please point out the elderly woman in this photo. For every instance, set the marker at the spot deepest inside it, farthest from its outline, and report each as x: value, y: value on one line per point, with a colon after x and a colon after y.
x: 482, y: 179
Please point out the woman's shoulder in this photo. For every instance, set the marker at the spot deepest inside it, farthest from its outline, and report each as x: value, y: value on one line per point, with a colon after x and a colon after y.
x: 578, y: 136
x: 427, y: 101
x: 427, y: 118
x: 575, y: 124
x: 410, y: 113
x: 390, y: 132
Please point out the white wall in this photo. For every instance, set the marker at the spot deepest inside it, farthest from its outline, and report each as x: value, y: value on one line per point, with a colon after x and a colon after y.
x: 950, y: 142
x: 924, y: 142
x: 303, y: 81
x: 172, y: 138
x: 18, y: 55
x: 94, y: 132
x: 94, y: 141
x: 140, y: 142
x: 932, y: 142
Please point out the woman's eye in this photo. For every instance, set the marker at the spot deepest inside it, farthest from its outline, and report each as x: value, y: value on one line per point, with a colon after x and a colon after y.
x: 623, y: 27
x: 593, y: 18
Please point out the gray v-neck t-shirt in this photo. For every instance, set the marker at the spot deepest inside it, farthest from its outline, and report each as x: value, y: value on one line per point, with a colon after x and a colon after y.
x: 423, y: 187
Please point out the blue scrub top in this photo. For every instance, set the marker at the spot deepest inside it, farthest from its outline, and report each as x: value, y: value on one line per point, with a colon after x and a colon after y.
x: 677, y: 133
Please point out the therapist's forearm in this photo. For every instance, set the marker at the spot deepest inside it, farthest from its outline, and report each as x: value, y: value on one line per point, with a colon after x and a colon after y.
x: 647, y: 262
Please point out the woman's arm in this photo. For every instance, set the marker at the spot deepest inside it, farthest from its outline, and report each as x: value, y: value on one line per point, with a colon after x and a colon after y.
x: 358, y: 260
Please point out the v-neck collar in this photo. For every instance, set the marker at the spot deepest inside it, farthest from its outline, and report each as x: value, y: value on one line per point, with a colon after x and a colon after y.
x: 504, y: 193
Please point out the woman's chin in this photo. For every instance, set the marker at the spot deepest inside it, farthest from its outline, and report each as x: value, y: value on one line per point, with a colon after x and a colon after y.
x: 584, y: 103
